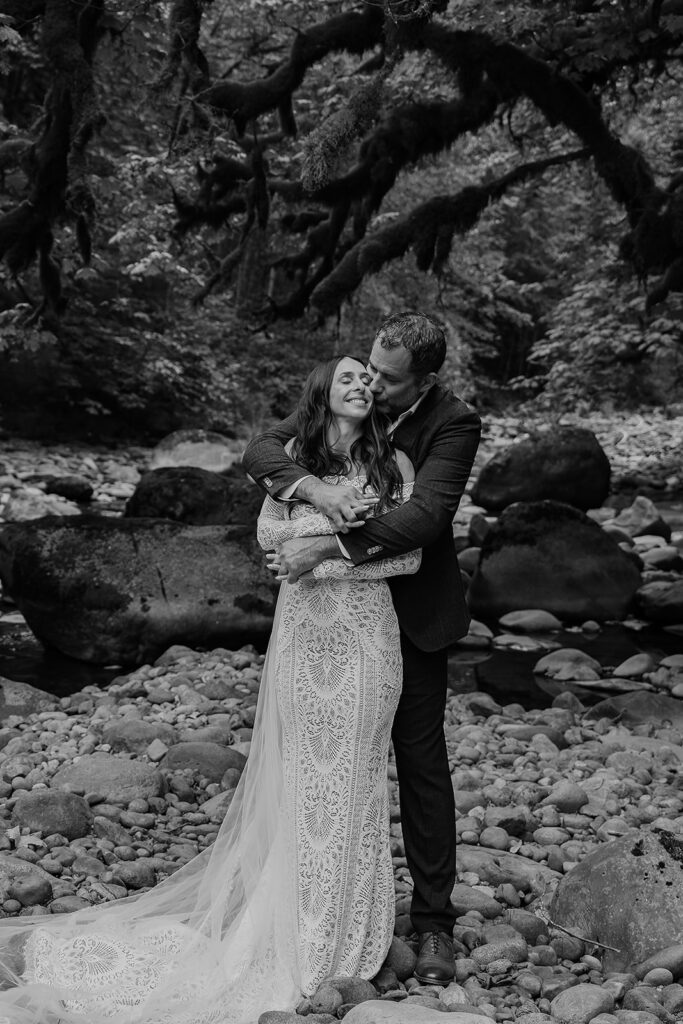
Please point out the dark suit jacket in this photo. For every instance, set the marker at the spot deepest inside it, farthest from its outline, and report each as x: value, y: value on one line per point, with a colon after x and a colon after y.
x: 440, y: 439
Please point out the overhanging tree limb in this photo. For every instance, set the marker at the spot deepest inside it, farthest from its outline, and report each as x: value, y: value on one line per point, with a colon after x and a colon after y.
x: 352, y: 31
x: 428, y: 229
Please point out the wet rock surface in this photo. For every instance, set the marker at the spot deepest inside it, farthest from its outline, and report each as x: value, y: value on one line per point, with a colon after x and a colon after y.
x: 562, y: 463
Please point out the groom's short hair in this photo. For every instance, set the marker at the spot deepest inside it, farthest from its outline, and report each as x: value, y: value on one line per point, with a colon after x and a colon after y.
x: 419, y: 333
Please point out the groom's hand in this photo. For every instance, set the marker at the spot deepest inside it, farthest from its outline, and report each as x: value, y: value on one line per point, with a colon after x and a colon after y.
x: 346, y: 507
x: 301, y: 554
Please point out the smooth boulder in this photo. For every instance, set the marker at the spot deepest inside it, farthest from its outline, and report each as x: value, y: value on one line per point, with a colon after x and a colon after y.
x: 556, y: 463
x: 628, y: 895
x: 662, y: 602
x: 549, y: 555
x: 114, y: 778
x: 205, y: 449
x: 122, y: 591
x: 188, y: 494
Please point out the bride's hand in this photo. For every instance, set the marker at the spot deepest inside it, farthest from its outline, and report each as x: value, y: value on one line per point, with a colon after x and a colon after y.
x: 298, y: 556
x: 345, y: 507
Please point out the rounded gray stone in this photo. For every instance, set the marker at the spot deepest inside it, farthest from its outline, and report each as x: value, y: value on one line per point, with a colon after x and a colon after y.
x: 115, y: 778
x: 49, y: 811
x: 579, y: 1004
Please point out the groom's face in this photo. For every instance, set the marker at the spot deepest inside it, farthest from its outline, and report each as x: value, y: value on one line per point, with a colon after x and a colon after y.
x: 393, y: 382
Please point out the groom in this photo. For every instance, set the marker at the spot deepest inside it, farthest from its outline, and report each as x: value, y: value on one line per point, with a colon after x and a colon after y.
x: 440, y: 434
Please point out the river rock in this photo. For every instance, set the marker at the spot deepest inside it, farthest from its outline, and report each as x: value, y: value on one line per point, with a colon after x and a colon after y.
x: 640, y: 708
x: 580, y: 1004
x: 626, y: 894
x: 641, y: 518
x: 13, y: 869
x: 134, y: 874
x: 49, y: 811
x: 122, y: 590
x: 353, y: 990
x: 634, y: 667
x: 205, y: 449
x: 74, y: 488
x: 497, y: 867
x: 560, y: 463
x: 136, y: 734
x: 30, y: 891
x: 568, y: 664
x: 670, y: 959
x: 530, y: 620
x: 22, y: 699
x: 190, y: 495
x: 209, y: 759
x: 465, y: 898
x: 513, y: 949
x: 404, y: 1012
x: 114, y: 778
x: 567, y: 797
x: 551, y: 556
x: 661, y: 601
x: 34, y: 504
x: 400, y: 959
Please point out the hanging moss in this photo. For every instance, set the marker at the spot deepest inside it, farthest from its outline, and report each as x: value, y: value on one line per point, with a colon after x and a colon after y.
x: 327, y: 144
x: 184, y: 23
x: 58, y: 183
x: 428, y: 229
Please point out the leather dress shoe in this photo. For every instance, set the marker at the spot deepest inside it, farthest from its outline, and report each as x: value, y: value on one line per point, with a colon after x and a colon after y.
x: 435, y: 959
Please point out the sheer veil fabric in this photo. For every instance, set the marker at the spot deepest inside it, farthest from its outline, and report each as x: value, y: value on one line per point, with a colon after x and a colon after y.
x: 215, y: 943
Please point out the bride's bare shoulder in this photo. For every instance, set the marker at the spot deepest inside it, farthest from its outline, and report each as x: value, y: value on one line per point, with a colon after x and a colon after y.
x: 405, y: 466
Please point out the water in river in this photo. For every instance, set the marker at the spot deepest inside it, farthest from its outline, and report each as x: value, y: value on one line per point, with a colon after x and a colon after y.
x: 505, y: 674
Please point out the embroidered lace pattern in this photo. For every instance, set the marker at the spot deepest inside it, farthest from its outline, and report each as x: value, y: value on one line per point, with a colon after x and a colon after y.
x: 338, y: 675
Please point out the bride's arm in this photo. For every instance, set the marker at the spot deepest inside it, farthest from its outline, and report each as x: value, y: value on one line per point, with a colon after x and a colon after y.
x: 398, y: 565
x: 274, y: 525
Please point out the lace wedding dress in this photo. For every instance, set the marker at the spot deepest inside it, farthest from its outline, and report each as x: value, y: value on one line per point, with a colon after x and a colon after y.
x: 298, y: 885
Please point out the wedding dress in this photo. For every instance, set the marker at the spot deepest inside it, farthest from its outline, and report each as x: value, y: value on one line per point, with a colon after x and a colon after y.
x: 298, y: 885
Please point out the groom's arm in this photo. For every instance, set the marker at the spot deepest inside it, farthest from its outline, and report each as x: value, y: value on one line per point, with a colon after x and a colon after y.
x: 439, y: 485
x: 267, y: 462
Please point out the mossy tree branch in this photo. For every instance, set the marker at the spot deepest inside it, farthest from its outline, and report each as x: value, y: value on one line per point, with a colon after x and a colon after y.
x: 428, y: 230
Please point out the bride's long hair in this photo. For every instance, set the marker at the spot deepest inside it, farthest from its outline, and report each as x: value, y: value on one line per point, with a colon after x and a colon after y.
x: 372, y: 450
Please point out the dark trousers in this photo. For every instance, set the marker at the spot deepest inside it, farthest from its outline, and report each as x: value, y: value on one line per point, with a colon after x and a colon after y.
x: 425, y: 788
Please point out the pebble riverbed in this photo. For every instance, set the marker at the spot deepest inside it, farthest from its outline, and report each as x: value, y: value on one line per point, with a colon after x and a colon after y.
x: 142, y: 772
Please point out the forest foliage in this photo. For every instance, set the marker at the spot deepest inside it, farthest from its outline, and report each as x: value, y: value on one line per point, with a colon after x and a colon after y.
x: 199, y: 198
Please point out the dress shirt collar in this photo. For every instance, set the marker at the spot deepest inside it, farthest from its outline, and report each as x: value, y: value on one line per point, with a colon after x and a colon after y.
x: 408, y: 412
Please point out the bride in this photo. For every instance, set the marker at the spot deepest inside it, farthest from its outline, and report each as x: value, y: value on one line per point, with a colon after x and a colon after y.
x: 298, y: 886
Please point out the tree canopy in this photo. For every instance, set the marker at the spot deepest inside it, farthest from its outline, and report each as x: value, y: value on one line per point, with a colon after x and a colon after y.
x: 168, y: 169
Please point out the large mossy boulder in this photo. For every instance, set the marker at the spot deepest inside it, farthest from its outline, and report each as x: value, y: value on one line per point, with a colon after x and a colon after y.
x: 556, y: 463
x: 121, y: 591
x: 188, y: 494
x: 549, y: 555
x: 627, y: 895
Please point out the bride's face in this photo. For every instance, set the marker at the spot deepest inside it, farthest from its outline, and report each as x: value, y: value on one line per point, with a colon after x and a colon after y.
x: 350, y: 396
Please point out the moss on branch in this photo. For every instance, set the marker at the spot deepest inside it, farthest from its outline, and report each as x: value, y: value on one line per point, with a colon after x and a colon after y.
x: 429, y: 230
x: 352, y: 31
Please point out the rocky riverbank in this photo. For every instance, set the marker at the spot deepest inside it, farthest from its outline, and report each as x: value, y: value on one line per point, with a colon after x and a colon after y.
x: 108, y: 791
